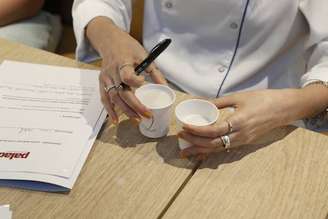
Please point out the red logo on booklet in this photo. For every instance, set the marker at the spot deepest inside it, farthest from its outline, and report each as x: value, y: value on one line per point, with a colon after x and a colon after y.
x: 14, y: 155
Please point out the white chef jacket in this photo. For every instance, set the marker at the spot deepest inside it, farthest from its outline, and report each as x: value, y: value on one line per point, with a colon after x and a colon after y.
x: 223, y: 46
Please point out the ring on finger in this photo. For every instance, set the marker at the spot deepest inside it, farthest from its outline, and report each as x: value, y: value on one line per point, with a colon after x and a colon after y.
x: 229, y: 126
x: 120, y: 87
x: 226, y: 142
x: 123, y: 86
x: 108, y: 88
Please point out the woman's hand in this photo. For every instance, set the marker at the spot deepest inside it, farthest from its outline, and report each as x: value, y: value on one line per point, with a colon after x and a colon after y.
x: 121, y: 54
x: 256, y: 113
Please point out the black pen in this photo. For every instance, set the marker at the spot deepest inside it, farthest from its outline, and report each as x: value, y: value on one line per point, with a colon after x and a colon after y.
x: 154, y: 53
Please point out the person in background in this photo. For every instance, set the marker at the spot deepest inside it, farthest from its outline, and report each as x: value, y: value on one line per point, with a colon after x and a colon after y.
x: 267, y: 59
x: 23, y: 21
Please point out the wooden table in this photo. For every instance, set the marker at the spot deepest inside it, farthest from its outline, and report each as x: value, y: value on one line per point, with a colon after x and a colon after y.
x: 129, y: 176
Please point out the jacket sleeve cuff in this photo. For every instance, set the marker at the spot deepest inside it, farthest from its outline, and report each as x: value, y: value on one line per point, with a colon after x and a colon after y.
x: 317, y: 73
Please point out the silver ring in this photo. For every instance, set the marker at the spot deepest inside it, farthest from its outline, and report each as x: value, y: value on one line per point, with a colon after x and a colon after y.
x: 226, y: 141
x: 119, y: 87
x: 109, y: 88
x: 125, y: 65
x: 230, y: 126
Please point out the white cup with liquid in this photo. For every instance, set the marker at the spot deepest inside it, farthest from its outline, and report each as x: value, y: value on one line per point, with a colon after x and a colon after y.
x: 159, y: 100
x: 195, y: 112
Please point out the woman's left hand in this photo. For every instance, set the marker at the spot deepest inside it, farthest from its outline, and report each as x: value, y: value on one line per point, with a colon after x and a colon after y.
x: 256, y: 113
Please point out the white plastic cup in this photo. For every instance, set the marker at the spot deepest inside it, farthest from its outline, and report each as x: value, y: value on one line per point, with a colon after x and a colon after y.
x: 195, y: 112
x: 159, y: 100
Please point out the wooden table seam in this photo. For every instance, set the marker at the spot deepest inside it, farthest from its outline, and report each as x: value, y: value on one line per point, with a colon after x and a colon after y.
x: 180, y: 189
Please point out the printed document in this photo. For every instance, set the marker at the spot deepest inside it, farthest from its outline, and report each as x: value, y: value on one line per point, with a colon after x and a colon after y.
x: 49, y: 119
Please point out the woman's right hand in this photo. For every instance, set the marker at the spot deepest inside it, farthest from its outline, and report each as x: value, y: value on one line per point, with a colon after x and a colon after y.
x: 121, y: 54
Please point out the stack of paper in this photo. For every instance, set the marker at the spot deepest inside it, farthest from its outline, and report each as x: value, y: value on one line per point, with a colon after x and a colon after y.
x: 5, y: 212
x: 49, y: 119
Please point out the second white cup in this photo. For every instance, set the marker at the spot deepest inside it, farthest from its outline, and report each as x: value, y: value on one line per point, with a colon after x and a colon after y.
x: 195, y: 112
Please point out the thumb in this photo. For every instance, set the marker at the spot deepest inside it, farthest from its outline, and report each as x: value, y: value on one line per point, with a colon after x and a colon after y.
x: 156, y: 75
x: 225, y: 101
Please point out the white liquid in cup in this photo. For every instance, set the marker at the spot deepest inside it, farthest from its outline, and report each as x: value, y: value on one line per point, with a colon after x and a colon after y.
x: 195, y: 112
x: 155, y: 98
x: 159, y: 99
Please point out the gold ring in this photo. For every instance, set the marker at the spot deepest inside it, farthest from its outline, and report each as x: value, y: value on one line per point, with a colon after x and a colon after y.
x: 229, y: 126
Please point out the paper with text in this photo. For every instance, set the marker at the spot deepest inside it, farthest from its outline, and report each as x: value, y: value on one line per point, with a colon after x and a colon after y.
x: 47, y: 115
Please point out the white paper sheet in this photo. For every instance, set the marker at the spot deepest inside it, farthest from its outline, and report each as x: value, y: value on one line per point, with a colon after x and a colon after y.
x: 30, y: 180
x: 5, y: 212
x: 49, y: 118
x: 50, y: 92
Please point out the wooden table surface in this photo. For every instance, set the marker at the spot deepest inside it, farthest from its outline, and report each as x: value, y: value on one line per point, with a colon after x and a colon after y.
x: 129, y: 176
x: 287, y: 179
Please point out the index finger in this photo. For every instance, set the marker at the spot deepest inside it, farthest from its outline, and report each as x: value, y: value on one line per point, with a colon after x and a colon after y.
x: 211, y: 131
x: 129, y: 77
x: 156, y: 75
x: 130, y: 99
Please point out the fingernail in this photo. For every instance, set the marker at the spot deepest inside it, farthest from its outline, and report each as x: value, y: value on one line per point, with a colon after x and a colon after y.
x: 181, y: 135
x: 135, y: 121
x: 115, y: 121
x: 183, y: 155
x: 148, y: 115
x: 185, y: 127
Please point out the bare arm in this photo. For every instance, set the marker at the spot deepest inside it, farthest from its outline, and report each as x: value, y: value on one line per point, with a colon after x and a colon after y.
x: 14, y: 10
x: 314, y: 100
